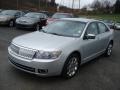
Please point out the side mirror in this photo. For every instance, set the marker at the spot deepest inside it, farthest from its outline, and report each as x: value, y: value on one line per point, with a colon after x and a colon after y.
x: 89, y: 36
x: 17, y: 16
x: 43, y: 27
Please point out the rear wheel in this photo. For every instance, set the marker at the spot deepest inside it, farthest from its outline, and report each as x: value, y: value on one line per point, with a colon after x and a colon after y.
x: 71, y: 66
x: 11, y: 23
x: 109, y: 50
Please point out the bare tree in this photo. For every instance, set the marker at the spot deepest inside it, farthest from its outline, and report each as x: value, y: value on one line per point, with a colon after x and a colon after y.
x: 117, y: 6
x: 96, y: 5
x: 79, y: 4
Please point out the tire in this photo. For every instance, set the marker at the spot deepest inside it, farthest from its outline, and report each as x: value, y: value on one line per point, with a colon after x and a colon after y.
x: 37, y: 27
x: 108, y: 51
x: 11, y: 23
x: 71, y: 66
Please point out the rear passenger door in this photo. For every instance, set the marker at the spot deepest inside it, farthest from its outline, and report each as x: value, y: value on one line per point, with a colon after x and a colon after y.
x: 104, y: 34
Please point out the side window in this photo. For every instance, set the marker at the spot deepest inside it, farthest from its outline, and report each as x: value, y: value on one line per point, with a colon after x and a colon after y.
x: 102, y: 28
x: 41, y: 15
x: 45, y: 16
x: 17, y: 14
x: 22, y: 13
x: 92, y: 29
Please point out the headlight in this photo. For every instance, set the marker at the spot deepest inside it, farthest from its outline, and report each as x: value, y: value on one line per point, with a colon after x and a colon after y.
x: 47, y: 54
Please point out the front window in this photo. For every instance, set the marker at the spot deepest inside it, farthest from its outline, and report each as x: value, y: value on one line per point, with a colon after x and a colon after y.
x: 62, y: 16
x: 65, y: 28
x: 92, y: 29
x: 102, y: 28
x: 8, y: 12
x: 33, y: 15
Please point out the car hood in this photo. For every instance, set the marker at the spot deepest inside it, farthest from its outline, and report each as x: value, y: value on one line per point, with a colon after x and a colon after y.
x: 43, y: 41
x: 27, y: 20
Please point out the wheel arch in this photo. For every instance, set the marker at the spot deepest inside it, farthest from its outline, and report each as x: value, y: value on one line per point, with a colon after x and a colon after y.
x: 112, y: 42
x: 75, y: 52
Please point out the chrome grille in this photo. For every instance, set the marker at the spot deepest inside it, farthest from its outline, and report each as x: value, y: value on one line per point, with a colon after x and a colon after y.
x: 22, y: 52
x: 26, y: 53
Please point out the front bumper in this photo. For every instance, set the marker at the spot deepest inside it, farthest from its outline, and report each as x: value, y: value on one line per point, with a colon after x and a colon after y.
x: 32, y: 26
x: 38, y: 67
x: 4, y: 22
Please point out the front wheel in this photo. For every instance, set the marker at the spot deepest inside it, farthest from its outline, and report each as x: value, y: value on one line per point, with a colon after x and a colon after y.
x: 71, y: 66
x: 37, y: 27
x: 108, y: 51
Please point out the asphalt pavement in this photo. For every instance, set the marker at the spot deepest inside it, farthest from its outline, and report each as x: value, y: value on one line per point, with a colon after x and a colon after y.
x: 100, y: 74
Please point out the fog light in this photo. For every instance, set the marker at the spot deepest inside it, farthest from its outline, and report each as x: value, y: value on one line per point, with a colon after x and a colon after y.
x: 43, y: 71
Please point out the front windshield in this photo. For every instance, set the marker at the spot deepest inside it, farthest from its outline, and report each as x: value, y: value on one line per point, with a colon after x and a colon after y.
x: 8, y: 12
x: 33, y: 15
x: 65, y: 28
x: 61, y: 16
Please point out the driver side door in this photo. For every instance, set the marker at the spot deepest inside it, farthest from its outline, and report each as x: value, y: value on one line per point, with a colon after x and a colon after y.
x: 91, y: 46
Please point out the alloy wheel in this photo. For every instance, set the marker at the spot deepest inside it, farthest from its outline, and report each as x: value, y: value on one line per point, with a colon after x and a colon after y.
x: 72, y: 67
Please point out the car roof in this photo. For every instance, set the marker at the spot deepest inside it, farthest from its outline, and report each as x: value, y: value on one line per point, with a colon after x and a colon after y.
x: 86, y: 20
x: 44, y: 11
x: 63, y: 13
x: 36, y: 13
x: 13, y: 10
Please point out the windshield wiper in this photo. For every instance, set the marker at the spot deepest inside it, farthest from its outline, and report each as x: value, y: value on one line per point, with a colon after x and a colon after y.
x: 56, y: 34
x: 43, y: 31
x: 50, y: 33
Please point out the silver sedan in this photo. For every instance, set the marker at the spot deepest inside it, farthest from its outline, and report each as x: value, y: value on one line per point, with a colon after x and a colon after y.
x: 61, y: 47
x: 117, y: 25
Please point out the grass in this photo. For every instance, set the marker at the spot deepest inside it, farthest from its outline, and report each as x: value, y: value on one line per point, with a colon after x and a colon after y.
x: 114, y: 17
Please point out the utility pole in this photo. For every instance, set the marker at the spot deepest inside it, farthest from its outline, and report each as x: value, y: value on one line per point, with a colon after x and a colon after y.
x: 46, y: 4
x: 17, y: 4
x: 69, y: 3
x: 63, y: 2
x: 39, y: 4
x: 79, y: 4
x: 73, y: 4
